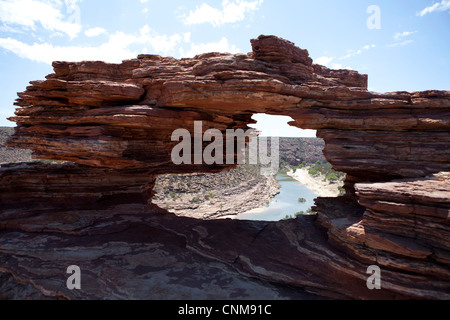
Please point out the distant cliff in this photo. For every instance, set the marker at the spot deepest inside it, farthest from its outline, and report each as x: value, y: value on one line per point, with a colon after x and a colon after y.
x: 11, y: 155
x: 296, y: 150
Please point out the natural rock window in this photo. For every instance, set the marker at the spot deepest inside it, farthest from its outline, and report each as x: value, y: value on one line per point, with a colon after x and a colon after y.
x: 245, y: 193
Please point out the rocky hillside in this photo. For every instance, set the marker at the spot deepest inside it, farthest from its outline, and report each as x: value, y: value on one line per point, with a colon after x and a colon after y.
x: 11, y: 155
x: 294, y: 151
x: 215, y: 195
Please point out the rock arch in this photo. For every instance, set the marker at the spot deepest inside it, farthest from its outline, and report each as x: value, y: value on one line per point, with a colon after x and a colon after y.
x: 114, y: 122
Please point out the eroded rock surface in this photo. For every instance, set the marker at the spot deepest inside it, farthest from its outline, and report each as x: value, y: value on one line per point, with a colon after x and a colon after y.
x: 115, y: 122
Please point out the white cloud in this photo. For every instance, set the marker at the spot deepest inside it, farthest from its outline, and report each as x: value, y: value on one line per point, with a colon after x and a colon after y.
x: 400, y: 35
x: 162, y: 44
x: 277, y: 126
x: 94, y: 32
x: 352, y: 53
x: 399, y: 44
x: 330, y: 61
x: 336, y: 66
x: 116, y: 49
x: 444, y: 5
x: 231, y: 11
x: 220, y: 46
x: 326, y: 61
x: 9, y: 29
x: 47, y: 53
x: 119, y: 46
x: 187, y: 37
x: 367, y: 47
x: 323, y: 60
x: 48, y: 14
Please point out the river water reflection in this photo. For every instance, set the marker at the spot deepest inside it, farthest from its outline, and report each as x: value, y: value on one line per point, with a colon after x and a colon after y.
x: 284, y: 203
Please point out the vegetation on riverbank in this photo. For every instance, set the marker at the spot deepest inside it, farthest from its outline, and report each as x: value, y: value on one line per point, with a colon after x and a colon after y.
x: 321, y: 168
x: 300, y: 213
x: 318, y: 176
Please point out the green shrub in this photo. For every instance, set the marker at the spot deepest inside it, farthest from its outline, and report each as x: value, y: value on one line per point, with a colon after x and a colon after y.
x: 313, y: 172
x: 194, y: 200
x: 331, y: 176
x: 209, y: 195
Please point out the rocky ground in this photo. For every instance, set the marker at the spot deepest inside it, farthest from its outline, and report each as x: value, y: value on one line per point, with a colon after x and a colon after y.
x: 214, y: 195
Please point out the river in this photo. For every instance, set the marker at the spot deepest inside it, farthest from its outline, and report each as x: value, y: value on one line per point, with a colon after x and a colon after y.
x: 284, y: 203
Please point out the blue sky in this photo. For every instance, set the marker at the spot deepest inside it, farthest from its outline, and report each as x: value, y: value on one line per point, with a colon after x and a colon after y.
x: 401, y: 44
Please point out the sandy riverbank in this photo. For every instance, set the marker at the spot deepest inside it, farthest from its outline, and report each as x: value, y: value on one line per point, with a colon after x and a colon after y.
x: 316, y: 184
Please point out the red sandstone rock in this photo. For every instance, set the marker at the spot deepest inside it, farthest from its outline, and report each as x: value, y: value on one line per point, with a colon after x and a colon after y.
x: 115, y: 121
x: 65, y: 116
x: 422, y: 207
x: 30, y: 189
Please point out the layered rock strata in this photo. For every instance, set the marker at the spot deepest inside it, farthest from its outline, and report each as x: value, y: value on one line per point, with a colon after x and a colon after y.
x: 35, y: 193
x: 116, y: 120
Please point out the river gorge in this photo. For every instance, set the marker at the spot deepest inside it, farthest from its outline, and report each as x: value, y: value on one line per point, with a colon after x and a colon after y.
x: 292, y: 198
